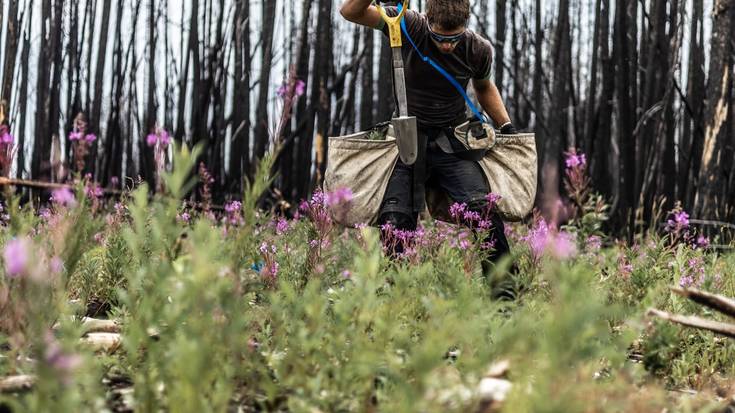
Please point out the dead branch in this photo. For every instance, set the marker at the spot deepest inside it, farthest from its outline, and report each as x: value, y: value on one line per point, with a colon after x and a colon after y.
x: 695, y: 322
x: 715, y: 301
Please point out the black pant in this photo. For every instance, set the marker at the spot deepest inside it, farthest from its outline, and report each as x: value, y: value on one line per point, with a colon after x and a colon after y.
x: 463, y: 180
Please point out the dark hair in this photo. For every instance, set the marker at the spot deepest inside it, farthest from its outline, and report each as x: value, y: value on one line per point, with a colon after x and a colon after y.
x: 448, y: 14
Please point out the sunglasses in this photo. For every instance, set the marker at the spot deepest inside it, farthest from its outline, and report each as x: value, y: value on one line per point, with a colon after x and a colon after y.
x: 446, y: 39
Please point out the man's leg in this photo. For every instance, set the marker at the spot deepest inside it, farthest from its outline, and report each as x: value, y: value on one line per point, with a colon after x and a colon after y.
x: 397, y: 208
x: 464, y: 182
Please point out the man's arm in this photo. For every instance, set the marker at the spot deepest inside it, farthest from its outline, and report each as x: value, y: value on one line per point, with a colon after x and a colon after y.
x: 489, y: 97
x: 361, y: 12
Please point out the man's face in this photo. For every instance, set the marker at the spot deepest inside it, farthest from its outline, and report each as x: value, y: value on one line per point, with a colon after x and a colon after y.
x: 446, y: 40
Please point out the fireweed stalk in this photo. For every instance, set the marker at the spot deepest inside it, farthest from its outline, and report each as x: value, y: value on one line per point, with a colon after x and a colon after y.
x: 319, y: 210
x: 206, y: 191
x: 81, y: 141
x: 576, y: 180
x: 7, y: 150
x: 289, y: 92
x: 159, y: 139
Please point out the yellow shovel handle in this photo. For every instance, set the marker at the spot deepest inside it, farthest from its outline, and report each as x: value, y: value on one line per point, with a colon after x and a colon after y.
x: 394, y: 25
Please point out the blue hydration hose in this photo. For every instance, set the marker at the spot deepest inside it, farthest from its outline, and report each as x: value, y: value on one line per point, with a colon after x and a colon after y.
x: 443, y: 72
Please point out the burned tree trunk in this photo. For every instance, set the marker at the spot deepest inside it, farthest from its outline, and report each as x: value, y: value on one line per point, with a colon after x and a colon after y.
x: 240, y: 141
x: 262, y: 137
x: 712, y: 178
x: 325, y: 70
x: 500, y: 28
x: 367, y: 90
x: 11, y: 48
x: 692, y: 138
x: 625, y: 83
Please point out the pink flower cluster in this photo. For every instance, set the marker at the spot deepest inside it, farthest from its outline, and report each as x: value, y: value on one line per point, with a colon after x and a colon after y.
x: 62, y: 362
x: 575, y: 160
x: 678, y: 221
x: 20, y: 261
x: 161, y: 136
x: 233, y: 212
x: 5, y: 137
x: 82, y: 137
x: 693, y: 275
x: 299, y: 87
x: 16, y: 257
x: 544, y: 239
x: 63, y: 197
x: 269, y: 270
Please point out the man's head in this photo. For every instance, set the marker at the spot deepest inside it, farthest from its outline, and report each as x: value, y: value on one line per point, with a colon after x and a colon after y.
x: 447, y: 22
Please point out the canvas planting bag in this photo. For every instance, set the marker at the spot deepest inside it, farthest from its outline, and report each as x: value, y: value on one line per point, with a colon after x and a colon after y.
x: 365, y: 166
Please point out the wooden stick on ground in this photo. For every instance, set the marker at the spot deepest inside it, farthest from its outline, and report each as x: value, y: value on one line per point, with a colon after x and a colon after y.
x: 696, y: 322
x: 15, y: 384
x: 45, y: 185
x: 717, y: 302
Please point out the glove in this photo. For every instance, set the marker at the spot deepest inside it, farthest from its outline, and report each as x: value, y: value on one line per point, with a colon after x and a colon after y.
x: 508, y: 129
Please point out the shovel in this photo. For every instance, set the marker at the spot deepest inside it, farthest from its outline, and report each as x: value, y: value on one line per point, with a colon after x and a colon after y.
x: 404, y: 126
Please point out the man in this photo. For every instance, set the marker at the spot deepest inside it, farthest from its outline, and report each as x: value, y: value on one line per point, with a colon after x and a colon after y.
x: 441, y: 33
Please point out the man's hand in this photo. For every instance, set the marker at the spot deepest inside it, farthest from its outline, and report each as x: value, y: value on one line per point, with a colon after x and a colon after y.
x: 508, y: 129
x: 361, y: 12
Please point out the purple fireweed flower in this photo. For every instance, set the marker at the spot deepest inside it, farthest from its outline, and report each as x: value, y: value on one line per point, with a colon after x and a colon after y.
x: 564, y: 245
x: 299, y: 87
x: 492, y: 200
x: 62, y: 362
x: 63, y: 197
x: 184, y: 217
x: 6, y: 138
x: 625, y: 268
x: 44, y: 213
x: 594, y: 243
x: 56, y: 265
x: 693, y: 275
x: 233, y: 207
x: 702, y: 242
x: 93, y: 190
x: 679, y: 221
x: 151, y: 139
x: 164, y: 137
x: 537, y: 238
x: 346, y: 274
x: 472, y: 216
x: 457, y: 210
x: 91, y: 137
x: 281, y: 226
x: 338, y: 197
x: 76, y: 136
x: 16, y: 256
x: 574, y: 160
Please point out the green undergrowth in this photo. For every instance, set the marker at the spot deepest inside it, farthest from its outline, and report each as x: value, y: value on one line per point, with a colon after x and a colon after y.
x: 339, y: 327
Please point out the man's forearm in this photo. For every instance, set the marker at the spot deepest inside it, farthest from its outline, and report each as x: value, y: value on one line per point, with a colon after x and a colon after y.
x: 354, y: 9
x: 492, y: 103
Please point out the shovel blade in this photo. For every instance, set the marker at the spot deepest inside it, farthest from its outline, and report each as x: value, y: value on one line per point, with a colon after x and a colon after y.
x: 407, y: 137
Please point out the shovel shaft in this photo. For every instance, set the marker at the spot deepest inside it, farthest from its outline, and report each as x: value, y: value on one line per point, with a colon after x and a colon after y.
x: 400, y: 82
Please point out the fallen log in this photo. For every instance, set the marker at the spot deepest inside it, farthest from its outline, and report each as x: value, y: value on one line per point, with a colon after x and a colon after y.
x: 103, y: 342
x: 717, y: 327
x: 16, y: 384
x: 96, y: 325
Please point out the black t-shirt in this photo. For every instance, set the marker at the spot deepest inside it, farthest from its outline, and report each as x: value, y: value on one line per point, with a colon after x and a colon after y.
x: 431, y: 97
